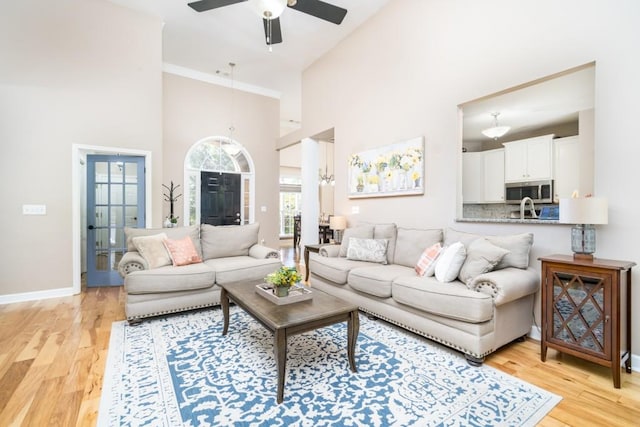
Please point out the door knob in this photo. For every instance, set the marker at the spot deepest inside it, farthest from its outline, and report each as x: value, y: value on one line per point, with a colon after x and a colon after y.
x: 91, y: 227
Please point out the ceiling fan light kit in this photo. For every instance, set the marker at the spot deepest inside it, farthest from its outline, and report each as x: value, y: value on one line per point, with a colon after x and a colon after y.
x: 270, y: 11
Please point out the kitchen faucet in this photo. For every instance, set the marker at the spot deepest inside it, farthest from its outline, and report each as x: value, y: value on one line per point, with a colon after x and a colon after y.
x: 531, y: 207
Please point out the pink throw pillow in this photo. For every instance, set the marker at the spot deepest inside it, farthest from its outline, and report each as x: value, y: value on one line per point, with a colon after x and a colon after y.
x: 182, y: 251
x: 427, y: 263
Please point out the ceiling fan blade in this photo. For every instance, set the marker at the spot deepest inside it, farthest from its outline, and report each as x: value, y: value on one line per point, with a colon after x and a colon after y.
x: 204, y: 5
x: 321, y: 10
x: 276, y: 32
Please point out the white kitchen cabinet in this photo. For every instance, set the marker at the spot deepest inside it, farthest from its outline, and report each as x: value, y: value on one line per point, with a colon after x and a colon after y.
x: 483, y: 177
x: 572, y: 170
x: 528, y: 159
x: 472, y: 181
x: 494, y: 176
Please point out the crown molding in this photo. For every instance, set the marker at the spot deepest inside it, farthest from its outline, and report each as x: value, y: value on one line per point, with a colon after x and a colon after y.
x: 217, y: 80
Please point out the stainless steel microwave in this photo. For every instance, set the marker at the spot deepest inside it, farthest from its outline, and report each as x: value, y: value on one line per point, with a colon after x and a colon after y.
x: 538, y: 191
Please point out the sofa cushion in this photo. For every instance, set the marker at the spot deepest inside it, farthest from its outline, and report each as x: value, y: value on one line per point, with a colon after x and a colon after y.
x: 242, y: 268
x: 452, y: 300
x: 361, y: 231
x: 411, y: 242
x: 518, y: 245
x: 172, y: 233
x: 482, y: 257
x: 376, y: 280
x: 228, y: 240
x: 152, y: 249
x: 451, y: 236
x: 334, y: 269
x: 371, y: 250
x: 426, y: 265
x: 389, y: 232
x: 182, y: 251
x: 450, y: 262
x: 170, y: 279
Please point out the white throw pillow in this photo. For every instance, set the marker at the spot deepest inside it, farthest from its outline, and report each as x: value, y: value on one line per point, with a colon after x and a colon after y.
x: 372, y: 250
x: 450, y: 262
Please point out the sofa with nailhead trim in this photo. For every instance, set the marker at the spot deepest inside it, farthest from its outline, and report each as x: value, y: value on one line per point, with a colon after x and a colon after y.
x: 476, y: 316
x: 227, y: 253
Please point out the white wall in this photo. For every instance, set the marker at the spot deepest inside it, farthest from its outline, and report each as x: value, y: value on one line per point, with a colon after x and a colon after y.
x: 71, y: 72
x: 403, y: 73
x: 194, y: 110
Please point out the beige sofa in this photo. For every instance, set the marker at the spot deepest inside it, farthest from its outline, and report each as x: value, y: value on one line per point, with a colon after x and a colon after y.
x: 229, y: 254
x: 477, y: 317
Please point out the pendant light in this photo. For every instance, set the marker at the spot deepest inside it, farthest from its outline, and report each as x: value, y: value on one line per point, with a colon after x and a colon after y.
x: 496, y: 131
x: 326, y: 178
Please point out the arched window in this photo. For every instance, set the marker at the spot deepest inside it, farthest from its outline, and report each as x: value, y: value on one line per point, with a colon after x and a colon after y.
x: 217, y: 154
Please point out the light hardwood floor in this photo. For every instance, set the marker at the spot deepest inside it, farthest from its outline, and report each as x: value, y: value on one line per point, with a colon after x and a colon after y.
x: 53, y: 353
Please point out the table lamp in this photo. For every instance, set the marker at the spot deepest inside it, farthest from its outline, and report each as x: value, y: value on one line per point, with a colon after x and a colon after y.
x: 584, y: 213
x: 337, y: 224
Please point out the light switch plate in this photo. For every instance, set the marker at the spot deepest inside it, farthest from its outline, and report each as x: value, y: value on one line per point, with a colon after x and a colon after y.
x: 263, y: 208
x: 34, y: 209
x: 355, y: 209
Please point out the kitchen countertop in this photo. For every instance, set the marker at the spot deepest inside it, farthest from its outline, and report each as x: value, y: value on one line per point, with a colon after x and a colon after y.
x: 510, y: 220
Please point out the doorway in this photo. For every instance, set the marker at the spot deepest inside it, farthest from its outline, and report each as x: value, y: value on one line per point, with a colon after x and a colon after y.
x: 115, y: 199
x: 220, y: 197
x: 229, y: 168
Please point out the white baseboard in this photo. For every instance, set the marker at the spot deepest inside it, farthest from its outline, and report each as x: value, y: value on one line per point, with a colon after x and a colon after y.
x: 37, y: 295
x: 535, y: 333
x: 635, y: 359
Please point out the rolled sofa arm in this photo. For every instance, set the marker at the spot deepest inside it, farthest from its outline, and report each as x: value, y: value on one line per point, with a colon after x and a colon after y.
x: 507, y: 284
x: 130, y: 262
x: 262, y: 252
x: 331, y: 251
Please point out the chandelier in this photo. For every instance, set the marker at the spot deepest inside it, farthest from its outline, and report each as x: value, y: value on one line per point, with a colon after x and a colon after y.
x: 496, y: 131
x: 326, y: 178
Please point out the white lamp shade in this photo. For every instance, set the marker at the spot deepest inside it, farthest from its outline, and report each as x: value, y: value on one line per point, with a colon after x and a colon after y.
x: 496, y: 131
x: 268, y: 9
x: 337, y: 223
x: 586, y: 210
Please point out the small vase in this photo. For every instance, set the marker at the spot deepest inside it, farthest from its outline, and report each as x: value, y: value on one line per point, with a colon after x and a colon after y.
x: 281, y: 291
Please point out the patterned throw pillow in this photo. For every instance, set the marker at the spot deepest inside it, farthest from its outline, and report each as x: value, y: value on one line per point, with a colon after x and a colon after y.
x: 426, y: 265
x: 182, y: 251
x: 450, y: 262
x: 152, y: 249
x: 372, y: 250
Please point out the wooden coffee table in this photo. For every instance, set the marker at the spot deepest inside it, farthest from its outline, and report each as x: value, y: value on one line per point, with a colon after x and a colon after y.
x: 286, y: 320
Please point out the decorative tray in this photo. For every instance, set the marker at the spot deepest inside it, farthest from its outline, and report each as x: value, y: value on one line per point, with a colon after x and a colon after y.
x: 296, y: 294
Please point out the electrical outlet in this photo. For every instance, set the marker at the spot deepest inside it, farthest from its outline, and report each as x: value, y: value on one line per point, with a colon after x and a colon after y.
x: 34, y: 209
x: 263, y: 208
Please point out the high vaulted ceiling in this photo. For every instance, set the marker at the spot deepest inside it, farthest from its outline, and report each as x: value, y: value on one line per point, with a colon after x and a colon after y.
x: 208, y: 41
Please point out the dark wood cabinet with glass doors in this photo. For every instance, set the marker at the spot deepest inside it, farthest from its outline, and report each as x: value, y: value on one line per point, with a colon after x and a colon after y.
x: 586, y: 310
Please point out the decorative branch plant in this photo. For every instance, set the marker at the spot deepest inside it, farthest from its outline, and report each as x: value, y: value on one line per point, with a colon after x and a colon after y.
x: 171, y: 198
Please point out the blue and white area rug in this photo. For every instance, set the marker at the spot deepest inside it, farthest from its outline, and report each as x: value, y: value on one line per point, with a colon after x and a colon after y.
x: 181, y: 371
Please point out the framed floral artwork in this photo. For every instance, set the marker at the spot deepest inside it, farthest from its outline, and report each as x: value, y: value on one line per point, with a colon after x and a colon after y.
x: 391, y: 170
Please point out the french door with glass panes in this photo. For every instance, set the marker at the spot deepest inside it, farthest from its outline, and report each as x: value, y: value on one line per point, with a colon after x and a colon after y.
x: 115, y: 199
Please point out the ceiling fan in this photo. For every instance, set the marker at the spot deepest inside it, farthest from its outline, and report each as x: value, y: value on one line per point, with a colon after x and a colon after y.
x: 270, y: 11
